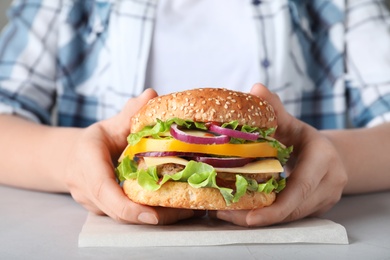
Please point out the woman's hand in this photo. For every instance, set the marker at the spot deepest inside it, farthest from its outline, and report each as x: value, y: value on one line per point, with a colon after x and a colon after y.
x: 90, y: 174
x: 316, y: 173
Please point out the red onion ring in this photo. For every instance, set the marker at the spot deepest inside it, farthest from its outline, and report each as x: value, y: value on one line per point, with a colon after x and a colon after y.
x: 168, y: 153
x: 233, y: 133
x: 224, y: 162
x: 184, y: 137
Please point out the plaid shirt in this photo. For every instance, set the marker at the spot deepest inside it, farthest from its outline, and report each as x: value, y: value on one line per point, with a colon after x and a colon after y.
x: 79, y: 61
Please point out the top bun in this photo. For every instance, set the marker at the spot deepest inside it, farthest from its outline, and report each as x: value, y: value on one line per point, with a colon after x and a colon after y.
x: 206, y: 105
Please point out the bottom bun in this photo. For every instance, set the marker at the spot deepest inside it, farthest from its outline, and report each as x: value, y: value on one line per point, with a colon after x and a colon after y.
x: 182, y: 195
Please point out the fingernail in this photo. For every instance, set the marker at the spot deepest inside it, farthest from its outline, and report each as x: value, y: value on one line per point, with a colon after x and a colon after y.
x: 148, y: 218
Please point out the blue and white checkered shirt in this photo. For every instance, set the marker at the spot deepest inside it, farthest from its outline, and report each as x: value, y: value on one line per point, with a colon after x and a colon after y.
x: 80, y: 60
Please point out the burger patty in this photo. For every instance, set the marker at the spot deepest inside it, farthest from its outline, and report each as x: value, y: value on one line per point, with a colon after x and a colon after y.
x: 172, y: 168
x: 169, y: 169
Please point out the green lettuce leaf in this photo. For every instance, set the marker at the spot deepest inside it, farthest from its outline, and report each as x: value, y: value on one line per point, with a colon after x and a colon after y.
x: 126, y: 169
x: 197, y: 175
x: 283, y: 152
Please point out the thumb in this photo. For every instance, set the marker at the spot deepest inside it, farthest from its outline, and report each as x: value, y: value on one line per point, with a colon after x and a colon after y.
x: 118, y: 127
x: 287, y: 124
x: 131, y: 107
x: 134, y: 104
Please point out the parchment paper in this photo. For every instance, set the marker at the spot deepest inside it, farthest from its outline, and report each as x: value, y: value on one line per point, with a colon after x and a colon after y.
x: 102, y: 231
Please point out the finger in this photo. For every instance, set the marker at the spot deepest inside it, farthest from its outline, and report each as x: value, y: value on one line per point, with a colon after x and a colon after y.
x: 288, y: 126
x: 122, y: 209
x: 109, y: 197
x: 135, y: 104
x: 301, y: 185
x: 327, y: 194
x: 106, y: 194
x: 118, y: 127
x: 325, y: 197
x: 81, y: 199
x: 263, y: 92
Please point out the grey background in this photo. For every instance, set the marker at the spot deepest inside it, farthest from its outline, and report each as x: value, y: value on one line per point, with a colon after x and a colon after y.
x: 5, y: 3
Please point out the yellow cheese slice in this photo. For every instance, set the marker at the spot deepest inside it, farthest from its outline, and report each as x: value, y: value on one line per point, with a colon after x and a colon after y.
x: 262, y: 166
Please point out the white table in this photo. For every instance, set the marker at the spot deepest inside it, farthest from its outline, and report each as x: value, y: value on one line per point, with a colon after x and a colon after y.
x: 36, y: 225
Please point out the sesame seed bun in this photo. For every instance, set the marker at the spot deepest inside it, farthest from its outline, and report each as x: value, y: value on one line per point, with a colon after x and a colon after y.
x: 182, y: 195
x: 207, y: 105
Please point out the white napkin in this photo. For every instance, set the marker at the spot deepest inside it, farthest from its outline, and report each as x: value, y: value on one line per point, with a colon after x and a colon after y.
x: 102, y: 231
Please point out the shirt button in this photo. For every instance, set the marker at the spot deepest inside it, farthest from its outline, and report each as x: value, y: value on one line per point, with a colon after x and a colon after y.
x: 265, y: 63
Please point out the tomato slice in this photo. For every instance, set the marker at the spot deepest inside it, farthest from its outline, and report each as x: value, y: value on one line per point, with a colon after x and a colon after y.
x: 250, y: 150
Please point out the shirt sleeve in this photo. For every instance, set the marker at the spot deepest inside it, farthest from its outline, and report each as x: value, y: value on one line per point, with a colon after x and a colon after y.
x: 368, y: 62
x: 27, y: 60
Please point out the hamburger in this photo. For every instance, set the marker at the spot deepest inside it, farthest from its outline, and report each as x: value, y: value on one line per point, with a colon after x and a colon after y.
x: 206, y: 148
